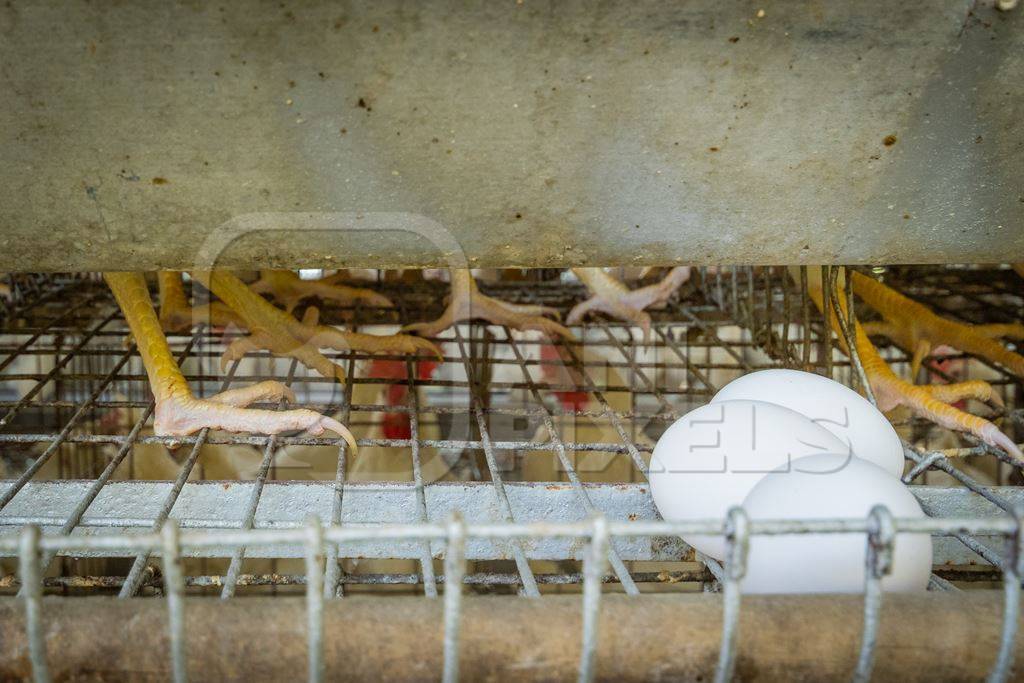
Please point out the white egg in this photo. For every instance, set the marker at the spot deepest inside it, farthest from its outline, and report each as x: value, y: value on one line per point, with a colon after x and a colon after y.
x: 832, y: 405
x: 831, y: 487
x: 710, y: 459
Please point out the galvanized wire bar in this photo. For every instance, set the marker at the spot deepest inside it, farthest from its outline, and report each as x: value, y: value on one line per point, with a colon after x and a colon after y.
x: 426, y: 561
x: 1013, y: 570
x: 235, y: 567
x: 737, y: 536
x: 314, y: 597
x: 594, y: 565
x: 878, y: 564
x: 333, y: 575
x: 848, y: 326
x: 522, y: 564
x: 174, y: 588
x: 33, y: 596
x: 826, y: 338
x: 454, y: 571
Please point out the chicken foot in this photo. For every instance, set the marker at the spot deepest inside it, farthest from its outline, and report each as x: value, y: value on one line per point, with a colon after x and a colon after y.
x: 915, y: 328
x: 178, y: 412
x: 467, y: 303
x: 289, y: 289
x: 930, y: 402
x: 611, y: 296
x: 278, y: 332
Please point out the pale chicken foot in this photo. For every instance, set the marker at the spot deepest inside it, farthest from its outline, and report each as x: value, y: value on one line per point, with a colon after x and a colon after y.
x: 178, y: 412
x: 467, y: 303
x: 611, y: 296
x: 289, y: 290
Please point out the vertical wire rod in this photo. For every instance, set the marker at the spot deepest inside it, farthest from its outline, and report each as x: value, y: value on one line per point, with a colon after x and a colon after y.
x: 33, y: 595
x: 454, y: 574
x: 878, y: 563
x: 315, y: 598
x: 848, y: 328
x: 1013, y: 567
x: 805, y: 318
x: 826, y: 337
x: 593, y: 576
x: 174, y: 589
x: 235, y: 567
x: 498, y: 484
x: 332, y: 575
x: 737, y: 536
x: 426, y: 561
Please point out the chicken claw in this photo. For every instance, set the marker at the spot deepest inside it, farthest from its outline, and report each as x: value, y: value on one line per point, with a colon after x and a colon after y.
x: 614, y: 298
x: 467, y: 303
x: 930, y: 402
x: 289, y: 289
x: 916, y: 329
x: 178, y: 412
x: 281, y: 334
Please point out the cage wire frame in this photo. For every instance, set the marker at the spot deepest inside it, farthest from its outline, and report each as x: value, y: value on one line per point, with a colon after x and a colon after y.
x: 165, y: 538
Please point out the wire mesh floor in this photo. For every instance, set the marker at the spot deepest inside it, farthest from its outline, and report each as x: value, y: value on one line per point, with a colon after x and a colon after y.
x: 509, y: 427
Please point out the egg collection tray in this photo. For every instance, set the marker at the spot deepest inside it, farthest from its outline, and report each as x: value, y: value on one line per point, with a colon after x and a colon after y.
x: 517, y: 465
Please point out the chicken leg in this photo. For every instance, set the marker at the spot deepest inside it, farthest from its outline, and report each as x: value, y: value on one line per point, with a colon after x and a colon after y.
x: 177, y: 316
x: 916, y: 329
x: 178, y: 412
x: 611, y: 296
x: 929, y: 402
x: 467, y: 303
x: 289, y: 289
x: 278, y: 332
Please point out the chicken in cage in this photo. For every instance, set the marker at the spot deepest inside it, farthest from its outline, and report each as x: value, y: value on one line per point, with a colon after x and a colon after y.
x: 511, y: 341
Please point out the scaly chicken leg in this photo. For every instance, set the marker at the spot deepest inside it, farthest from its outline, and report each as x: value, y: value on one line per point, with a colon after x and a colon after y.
x: 915, y: 328
x: 177, y: 316
x: 929, y: 402
x: 289, y: 289
x: 272, y: 329
x: 613, y: 297
x: 178, y: 412
x: 468, y: 303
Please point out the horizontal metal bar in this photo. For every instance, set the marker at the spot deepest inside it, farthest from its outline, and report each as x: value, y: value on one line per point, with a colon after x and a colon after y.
x: 507, y: 638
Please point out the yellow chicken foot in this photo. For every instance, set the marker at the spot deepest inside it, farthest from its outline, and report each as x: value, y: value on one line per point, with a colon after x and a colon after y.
x: 289, y: 289
x: 915, y: 328
x: 177, y: 316
x: 178, y: 412
x: 929, y: 402
x: 467, y: 303
x: 614, y: 298
x: 278, y: 332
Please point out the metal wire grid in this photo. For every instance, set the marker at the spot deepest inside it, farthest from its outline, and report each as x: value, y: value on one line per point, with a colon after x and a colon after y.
x: 86, y: 312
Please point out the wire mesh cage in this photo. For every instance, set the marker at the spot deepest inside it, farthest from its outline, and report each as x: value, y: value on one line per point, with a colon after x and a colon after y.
x: 516, y: 464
